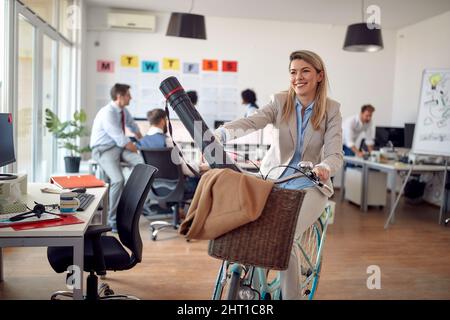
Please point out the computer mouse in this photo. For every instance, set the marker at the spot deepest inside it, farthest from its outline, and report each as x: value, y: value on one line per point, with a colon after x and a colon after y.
x: 79, y: 190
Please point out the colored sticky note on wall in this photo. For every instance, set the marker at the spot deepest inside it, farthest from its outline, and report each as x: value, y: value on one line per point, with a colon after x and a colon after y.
x: 171, y: 64
x: 105, y: 66
x: 150, y: 66
x: 210, y: 65
x: 191, y: 68
x: 229, y: 66
x: 129, y: 61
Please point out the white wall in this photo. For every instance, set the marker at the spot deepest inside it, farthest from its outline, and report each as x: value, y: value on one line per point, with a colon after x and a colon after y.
x: 419, y: 46
x: 262, y: 49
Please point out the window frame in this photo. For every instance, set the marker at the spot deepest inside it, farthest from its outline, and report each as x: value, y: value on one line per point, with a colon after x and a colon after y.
x: 14, y: 8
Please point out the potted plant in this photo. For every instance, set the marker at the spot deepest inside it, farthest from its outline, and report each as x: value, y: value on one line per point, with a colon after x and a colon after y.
x: 68, y: 134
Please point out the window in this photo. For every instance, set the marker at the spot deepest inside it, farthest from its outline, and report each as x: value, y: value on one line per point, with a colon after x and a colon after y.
x: 44, y: 9
x: 2, y: 56
x: 44, y: 164
x: 68, y: 16
x: 44, y: 81
x: 25, y: 105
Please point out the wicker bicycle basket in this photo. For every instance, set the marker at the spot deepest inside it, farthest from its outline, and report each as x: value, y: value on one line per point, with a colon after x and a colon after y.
x: 267, y: 241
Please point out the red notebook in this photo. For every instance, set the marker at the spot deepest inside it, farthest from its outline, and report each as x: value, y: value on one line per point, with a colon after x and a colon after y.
x: 61, y: 221
x: 79, y: 181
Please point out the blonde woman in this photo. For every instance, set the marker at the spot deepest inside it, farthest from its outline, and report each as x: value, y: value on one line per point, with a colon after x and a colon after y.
x: 307, y: 126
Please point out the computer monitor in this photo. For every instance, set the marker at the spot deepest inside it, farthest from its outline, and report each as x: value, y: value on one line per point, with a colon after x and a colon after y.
x: 394, y: 134
x: 409, y: 134
x: 6, y: 144
x: 218, y: 123
x: 180, y: 133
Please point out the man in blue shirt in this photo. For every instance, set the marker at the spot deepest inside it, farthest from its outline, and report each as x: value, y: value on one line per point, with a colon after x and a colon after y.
x: 156, y: 135
x: 110, y: 146
x: 156, y: 138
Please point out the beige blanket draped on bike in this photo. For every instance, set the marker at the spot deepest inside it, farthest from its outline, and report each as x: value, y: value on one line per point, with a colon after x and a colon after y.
x: 224, y: 200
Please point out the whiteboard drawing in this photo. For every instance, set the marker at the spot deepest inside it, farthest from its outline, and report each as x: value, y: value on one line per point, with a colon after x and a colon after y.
x: 432, y: 130
x: 437, y: 100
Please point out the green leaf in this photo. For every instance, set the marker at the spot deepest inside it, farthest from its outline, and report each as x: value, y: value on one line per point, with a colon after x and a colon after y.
x: 85, y: 149
x: 68, y: 131
x: 83, y: 116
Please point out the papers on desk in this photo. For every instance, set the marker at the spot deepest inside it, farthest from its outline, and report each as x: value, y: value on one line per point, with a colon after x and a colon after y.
x: 5, y: 222
x: 77, y: 181
x: 60, y: 221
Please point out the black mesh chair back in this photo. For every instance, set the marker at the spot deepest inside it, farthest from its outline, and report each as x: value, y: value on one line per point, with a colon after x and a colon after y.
x: 130, y: 208
x: 169, y: 180
x: 161, y: 158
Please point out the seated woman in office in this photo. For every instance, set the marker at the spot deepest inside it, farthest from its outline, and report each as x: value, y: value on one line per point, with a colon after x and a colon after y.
x: 307, y: 126
x: 249, y: 101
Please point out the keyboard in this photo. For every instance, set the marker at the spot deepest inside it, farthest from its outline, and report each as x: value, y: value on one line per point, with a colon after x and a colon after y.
x: 85, y: 200
x: 16, y: 207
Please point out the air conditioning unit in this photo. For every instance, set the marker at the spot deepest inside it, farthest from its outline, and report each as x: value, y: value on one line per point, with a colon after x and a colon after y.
x: 131, y: 20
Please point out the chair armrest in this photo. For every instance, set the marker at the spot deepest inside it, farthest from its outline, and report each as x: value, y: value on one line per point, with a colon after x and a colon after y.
x: 93, y: 234
x: 96, y: 230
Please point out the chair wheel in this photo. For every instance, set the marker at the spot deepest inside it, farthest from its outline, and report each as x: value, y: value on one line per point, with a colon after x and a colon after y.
x: 154, y: 237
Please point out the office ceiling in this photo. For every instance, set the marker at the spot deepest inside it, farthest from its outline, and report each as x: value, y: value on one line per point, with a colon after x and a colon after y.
x: 394, y: 13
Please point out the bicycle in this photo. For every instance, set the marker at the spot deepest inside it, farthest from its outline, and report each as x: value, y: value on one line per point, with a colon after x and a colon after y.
x: 236, y: 281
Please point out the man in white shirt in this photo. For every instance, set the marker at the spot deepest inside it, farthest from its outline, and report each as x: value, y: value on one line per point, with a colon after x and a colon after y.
x: 353, y: 126
x: 110, y: 146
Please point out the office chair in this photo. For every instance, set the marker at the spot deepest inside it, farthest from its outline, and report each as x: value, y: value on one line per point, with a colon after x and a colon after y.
x: 101, y: 252
x: 168, y: 187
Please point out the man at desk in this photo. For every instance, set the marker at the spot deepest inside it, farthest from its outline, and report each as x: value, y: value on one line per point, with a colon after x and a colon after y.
x: 156, y: 138
x: 353, y: 126
x: 110, y: 146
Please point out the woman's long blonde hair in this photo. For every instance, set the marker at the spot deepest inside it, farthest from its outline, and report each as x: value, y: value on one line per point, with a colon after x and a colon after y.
x: 321, y: 91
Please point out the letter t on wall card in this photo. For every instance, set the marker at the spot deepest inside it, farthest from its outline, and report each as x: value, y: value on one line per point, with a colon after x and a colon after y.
x: 129, y: 61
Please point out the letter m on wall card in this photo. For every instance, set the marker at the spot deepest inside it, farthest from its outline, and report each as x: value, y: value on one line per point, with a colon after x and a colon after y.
x: 105, y: 66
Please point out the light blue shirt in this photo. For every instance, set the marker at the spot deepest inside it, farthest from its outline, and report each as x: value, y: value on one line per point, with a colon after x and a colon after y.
x: 251, y: 110
x: 302, y: 123
x: 107, y: 127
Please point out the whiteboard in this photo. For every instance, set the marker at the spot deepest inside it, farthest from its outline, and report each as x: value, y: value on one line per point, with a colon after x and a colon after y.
x: 432, y: 130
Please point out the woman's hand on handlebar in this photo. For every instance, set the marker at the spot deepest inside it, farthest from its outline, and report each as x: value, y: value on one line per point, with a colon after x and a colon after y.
x: 322, y: 172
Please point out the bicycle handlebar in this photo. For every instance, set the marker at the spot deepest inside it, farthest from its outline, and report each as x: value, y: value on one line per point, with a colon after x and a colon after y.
x: 311, y: 175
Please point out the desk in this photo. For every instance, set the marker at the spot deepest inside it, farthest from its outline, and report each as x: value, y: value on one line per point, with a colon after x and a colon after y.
x: 392, y: 169
x: 68, y: 236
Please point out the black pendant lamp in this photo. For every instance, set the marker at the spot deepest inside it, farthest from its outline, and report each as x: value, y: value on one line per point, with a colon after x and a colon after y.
x: 361, y: 38
x: 187, y: 25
